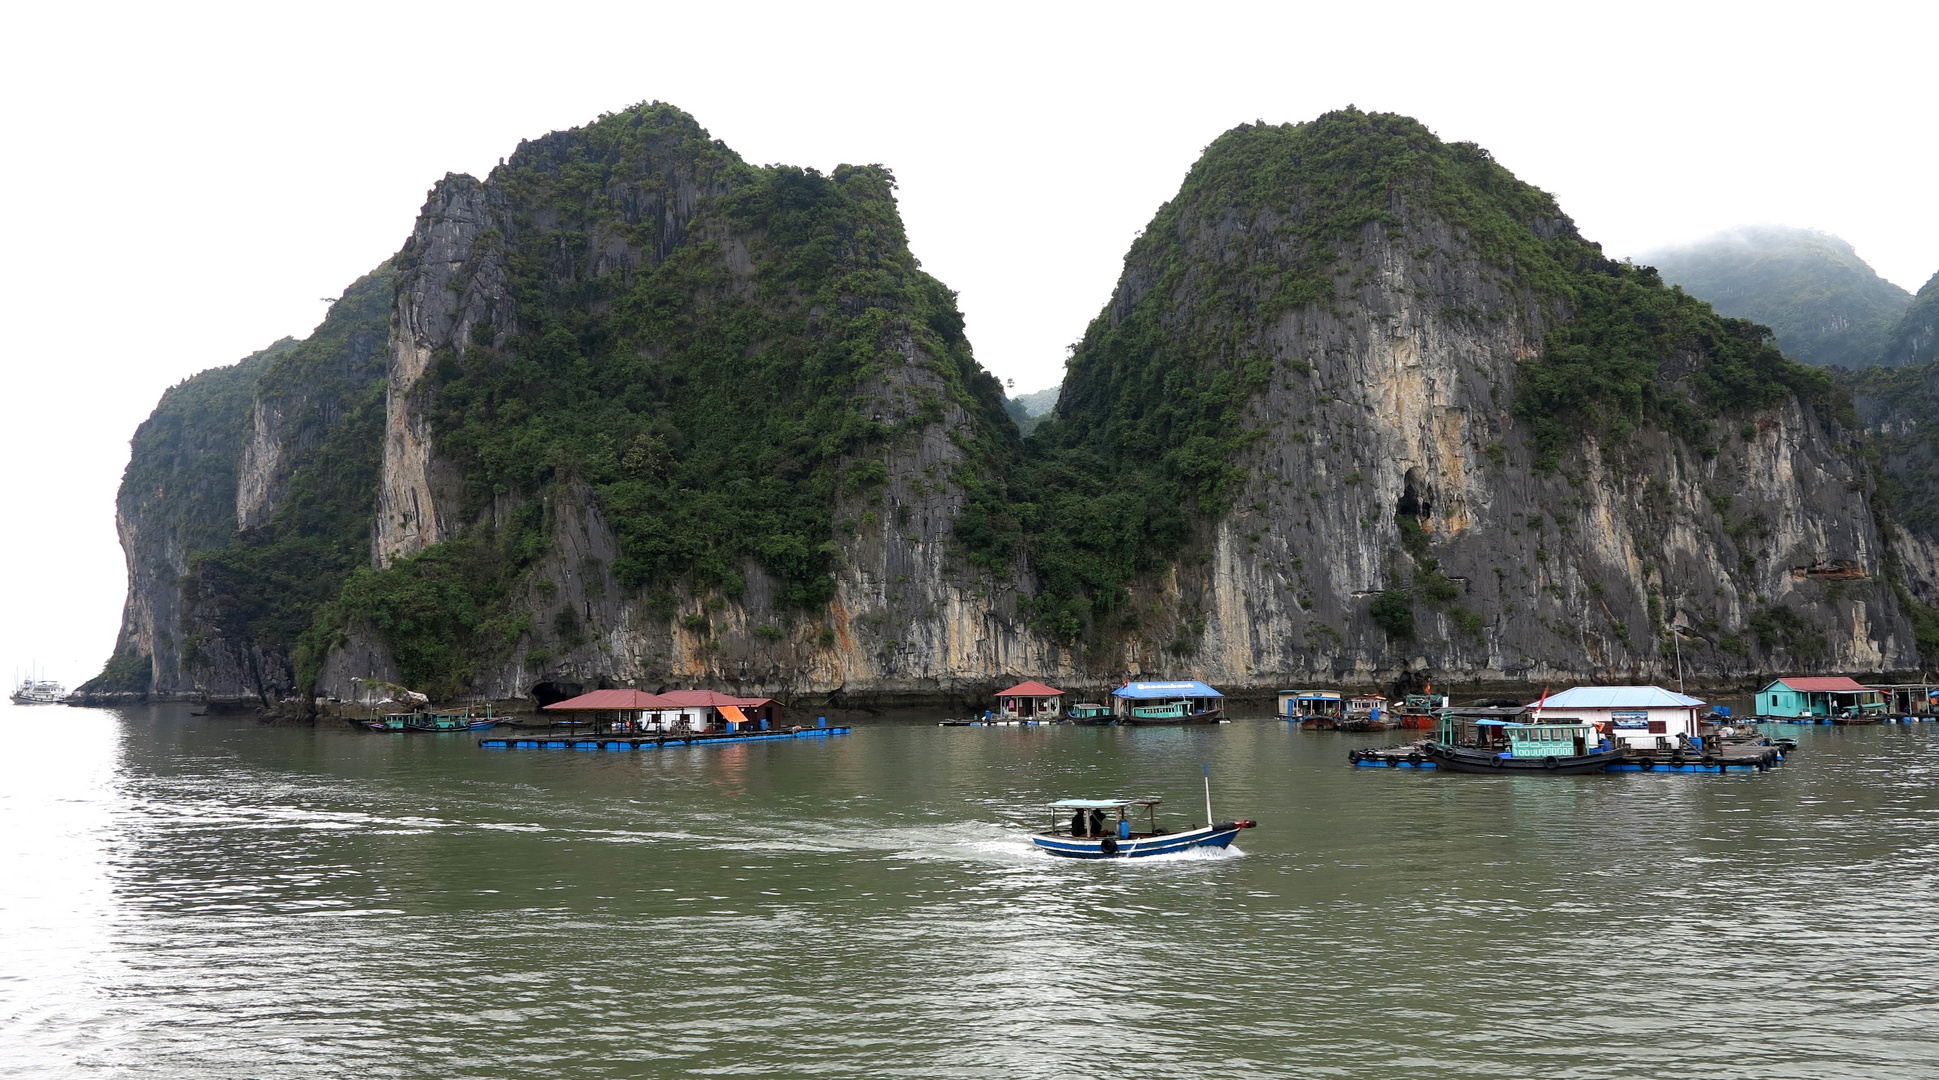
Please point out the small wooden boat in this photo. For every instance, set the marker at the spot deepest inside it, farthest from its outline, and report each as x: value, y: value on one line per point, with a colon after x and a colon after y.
x: 1102, y: 829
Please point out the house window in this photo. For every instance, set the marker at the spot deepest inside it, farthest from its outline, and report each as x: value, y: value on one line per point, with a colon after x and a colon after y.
x: 1658, y: 727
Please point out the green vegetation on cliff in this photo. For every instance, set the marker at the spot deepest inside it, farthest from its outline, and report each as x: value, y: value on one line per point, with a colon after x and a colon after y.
x: 715, y: 413
x: 265, y: 584
x: 1914, y: 338
x: 1825, y: 304
x: 181, y: 485
x: 1154, y: 420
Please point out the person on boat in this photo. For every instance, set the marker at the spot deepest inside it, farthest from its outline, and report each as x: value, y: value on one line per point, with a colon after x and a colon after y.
x: 1077, y: 823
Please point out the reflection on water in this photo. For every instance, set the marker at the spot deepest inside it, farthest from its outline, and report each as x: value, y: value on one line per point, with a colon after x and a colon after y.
x: 211, y: 898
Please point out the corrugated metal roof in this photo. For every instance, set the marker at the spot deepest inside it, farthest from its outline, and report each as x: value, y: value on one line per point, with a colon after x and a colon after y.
x: 1188, y: 688
x: 1822, y: 684
x: 711, y: 698
x: 1617, y: 697
x: 614, y: 699
x: 1032, y: 688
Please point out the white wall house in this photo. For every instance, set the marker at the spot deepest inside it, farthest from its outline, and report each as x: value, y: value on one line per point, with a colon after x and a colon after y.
x: 1636, y: 716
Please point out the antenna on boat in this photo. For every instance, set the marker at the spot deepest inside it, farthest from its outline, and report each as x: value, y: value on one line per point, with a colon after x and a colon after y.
x: 1207, y: 766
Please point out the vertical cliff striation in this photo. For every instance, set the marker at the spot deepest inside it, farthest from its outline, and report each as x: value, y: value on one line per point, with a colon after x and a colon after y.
x: 1364, y: 407
x: 247, y: 499
x: 657, y: 416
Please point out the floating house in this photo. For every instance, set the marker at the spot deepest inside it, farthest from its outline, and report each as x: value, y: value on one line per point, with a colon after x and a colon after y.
x: 1297, y: 704
x: 1187, y: 702
x: 1910, y: 699
x: 1646, y: 717
x: 1830, y: 697
x: 675, y: 710
x: 1030, y: 701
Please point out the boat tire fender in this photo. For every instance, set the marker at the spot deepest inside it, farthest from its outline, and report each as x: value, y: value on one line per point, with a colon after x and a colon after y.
x: 1646, y: 764
x: 1414, y: 758
x: 1353, y: 756
x: 1550, y: 762
x: 1393, y: 763
x: 1109, y: 845
x: 1707, y: 760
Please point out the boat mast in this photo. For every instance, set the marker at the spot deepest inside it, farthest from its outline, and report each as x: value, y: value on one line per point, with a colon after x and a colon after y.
x: 1207, y: 766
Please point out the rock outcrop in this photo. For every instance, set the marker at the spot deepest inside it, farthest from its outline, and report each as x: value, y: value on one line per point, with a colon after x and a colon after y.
x: 630, y: 411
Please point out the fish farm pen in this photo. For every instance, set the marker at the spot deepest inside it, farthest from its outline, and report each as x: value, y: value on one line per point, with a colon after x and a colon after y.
x: 648, y: 742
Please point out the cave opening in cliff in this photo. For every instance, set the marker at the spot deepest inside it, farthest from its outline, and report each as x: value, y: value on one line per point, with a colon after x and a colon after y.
x: 546, y: 693
x: 1416, y: 497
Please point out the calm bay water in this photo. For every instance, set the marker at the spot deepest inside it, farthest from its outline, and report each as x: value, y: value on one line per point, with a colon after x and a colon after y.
x: 206, y: 897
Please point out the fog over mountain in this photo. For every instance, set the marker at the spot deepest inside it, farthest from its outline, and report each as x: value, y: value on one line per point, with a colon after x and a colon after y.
x: 1825, y: 303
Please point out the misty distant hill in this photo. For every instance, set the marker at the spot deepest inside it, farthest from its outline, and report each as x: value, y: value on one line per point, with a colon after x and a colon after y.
x: 1914, y: 339
x: 1028, y: 409
x: 1826, y: 304
x: 1040, y: 402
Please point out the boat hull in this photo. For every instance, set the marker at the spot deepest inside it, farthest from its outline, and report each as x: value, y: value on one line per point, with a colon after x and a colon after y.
x: 1086, y: 847
x: 1467, y: 760
x: 1210, y: 716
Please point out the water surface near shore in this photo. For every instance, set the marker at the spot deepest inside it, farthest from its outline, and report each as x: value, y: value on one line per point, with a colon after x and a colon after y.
x: 210, y: 897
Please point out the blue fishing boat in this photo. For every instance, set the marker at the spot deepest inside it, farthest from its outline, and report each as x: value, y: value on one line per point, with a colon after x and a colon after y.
x: 1102, y: 829
x: 424, y: 720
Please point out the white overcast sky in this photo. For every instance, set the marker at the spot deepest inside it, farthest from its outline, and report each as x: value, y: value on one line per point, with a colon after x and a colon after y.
x: 184, y: 182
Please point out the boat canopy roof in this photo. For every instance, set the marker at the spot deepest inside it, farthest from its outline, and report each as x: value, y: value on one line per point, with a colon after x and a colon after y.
x: 1191, y: 688
x: 1101, y: 804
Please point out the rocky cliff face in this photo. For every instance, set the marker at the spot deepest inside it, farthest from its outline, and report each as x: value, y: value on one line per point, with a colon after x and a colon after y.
x: 203, y: 502
x: 630, y: 411
x: 177, y: 498
x: 1396, y: 519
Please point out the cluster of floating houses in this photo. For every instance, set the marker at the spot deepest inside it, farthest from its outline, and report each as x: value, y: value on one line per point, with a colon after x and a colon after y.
x: 1581, y: 730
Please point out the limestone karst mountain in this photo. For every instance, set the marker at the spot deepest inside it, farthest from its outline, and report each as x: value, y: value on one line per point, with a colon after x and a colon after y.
x: 1362, y: 407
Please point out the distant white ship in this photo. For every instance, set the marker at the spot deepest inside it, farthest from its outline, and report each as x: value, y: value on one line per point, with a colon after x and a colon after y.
x: 37, y: 692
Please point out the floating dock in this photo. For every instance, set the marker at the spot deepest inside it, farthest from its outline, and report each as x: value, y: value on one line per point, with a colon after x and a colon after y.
x: 1827, y: 721
x: 647, y: 742
x: 1738, y: 757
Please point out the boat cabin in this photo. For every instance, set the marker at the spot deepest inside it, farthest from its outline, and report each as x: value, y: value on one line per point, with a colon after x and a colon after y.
x: 1029, y: 701
x: 1299, y: 703
x: 1165, y: 700
x: 1478, y: 727
x: 1829, y: 697
x: 1644, y: 717
x: 1367, y: 706
x: 1090, y: 711
x: 1558, y: 737
x: 1103, y: 817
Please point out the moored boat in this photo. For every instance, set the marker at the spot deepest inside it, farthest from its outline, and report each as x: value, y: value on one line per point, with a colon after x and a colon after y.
x: 1103, y: 829
x: 1545, y: 747
x: 423, y: 720
x: 33, y: 691
x: 1167, y: 703
x: 1085, y: 712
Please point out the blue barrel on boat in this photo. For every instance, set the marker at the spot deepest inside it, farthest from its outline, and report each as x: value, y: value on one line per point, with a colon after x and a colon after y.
x: 1124, y: 829
x: 821, y: 721
x: 764, y: 723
